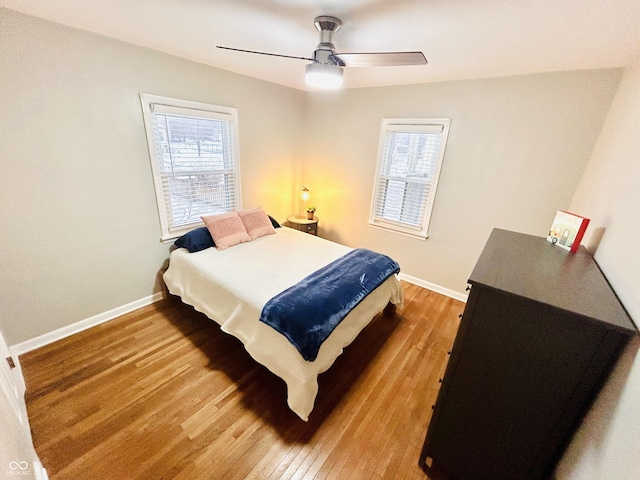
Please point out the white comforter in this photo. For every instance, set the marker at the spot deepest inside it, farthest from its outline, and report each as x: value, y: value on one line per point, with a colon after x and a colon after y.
x: 233, y: 285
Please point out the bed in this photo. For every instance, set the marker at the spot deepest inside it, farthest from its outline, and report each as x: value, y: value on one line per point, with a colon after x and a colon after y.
x: 232, y: 287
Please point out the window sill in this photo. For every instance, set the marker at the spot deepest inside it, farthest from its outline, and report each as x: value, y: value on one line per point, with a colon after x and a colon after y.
x: 417, y: 236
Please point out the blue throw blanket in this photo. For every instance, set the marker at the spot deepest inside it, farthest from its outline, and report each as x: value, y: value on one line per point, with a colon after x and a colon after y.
x: 307, y: 312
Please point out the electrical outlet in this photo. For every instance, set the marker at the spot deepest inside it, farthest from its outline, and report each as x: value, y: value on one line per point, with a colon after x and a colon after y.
x: 11, y: 362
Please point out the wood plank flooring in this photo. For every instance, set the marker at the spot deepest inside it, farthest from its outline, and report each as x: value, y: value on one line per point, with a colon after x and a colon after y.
x: 163, y: 393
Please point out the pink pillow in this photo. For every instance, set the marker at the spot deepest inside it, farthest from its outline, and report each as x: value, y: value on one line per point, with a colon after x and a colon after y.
x: 257, y: 223
x: 226, y: 229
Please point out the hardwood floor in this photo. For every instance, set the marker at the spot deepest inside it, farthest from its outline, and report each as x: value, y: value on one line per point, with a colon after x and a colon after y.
x: 163, y: 393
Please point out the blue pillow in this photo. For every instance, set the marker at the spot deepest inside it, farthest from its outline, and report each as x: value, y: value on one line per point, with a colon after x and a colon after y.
x: 274, y: 222
x: 195, y: 240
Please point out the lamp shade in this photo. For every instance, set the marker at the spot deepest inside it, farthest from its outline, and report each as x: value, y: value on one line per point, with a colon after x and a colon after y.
x: 304, y: 194
x: 323, y: 75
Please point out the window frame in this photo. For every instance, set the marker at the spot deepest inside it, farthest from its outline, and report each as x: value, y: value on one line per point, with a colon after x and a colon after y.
x: 193, y: 109
x: 408, y: 125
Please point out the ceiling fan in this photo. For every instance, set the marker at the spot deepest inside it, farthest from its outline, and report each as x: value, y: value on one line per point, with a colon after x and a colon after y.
x: 325, y: 69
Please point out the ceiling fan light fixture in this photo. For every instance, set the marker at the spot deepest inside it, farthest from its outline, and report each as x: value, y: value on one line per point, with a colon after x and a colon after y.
x: 323, y: 75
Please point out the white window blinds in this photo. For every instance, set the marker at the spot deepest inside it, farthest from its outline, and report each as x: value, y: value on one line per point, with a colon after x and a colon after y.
x: 193, y: 149
x: 409, y: 161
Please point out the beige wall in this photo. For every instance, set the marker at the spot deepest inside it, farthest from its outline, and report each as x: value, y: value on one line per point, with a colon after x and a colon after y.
x: 73, y: 135
x: 516, y: 152
x: 80, y: 229
x: 607, y: 445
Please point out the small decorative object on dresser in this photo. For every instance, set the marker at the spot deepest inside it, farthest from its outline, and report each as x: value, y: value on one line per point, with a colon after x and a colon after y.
x: 304, y: 224
x: 567, y: 230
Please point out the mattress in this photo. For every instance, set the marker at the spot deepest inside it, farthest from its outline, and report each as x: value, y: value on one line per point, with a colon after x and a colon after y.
x: 232, y: 286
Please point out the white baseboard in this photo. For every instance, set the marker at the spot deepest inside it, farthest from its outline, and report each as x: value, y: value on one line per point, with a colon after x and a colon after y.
x: 69, y: 330
x: 433, y: 287
x: 40, y: 471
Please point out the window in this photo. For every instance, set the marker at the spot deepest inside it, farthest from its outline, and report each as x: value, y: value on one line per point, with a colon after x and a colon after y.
x: 409, y: 161
x: 193, y: 149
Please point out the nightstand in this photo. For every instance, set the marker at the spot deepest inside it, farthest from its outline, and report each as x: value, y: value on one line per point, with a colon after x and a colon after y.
x: 304, y: 225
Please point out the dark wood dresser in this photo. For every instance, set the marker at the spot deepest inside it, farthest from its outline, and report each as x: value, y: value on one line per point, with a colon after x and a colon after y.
x: 541, y: 331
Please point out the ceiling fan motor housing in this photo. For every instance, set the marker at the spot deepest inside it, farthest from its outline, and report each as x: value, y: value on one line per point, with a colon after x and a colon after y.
x: 325, y: 51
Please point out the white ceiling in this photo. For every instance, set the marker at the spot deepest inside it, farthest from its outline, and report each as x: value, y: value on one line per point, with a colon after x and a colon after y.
x: 460, y: 38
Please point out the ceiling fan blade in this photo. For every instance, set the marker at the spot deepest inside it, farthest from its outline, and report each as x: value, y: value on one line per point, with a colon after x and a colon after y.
x: 382, y: 59
x: 265, y: 53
